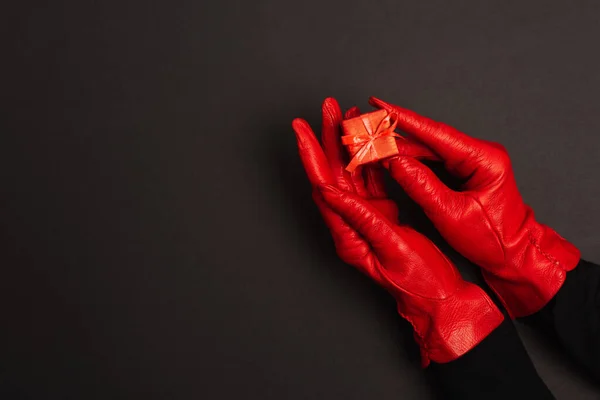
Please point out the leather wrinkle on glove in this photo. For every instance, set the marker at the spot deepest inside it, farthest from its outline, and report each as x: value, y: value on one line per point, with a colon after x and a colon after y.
x: 524, y: 262
x: 449, y: 315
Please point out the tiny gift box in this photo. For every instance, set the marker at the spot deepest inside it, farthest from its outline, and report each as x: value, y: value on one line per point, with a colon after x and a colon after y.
x: 369, y: 137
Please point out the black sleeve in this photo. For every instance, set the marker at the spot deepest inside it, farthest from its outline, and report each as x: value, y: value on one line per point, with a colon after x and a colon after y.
x: 498, y: 368
x: 574, y: 315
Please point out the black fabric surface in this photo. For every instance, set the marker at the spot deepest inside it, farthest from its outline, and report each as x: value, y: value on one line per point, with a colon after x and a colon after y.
x: 158, y: 239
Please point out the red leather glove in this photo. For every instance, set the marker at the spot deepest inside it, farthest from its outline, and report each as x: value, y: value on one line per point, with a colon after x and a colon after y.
x: 449, y: 315
x: 523, y: 261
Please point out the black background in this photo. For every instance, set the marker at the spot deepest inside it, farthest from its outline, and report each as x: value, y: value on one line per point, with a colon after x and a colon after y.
x: 158, y: 236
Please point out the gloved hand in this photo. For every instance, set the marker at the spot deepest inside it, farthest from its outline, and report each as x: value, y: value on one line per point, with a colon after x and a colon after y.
x: 523, y: 261
x: 449, y: 315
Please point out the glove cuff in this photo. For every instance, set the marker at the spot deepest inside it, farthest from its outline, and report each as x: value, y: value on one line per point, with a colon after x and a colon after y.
x: 445, y: 329
x: 535, y: 270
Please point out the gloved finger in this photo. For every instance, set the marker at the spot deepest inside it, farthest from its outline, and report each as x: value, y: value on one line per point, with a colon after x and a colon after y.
x: 450, y: 144
x: 410, y: 147
x: 335, y: 151
x: 387, y: 207
x: 366, y: 220
x: 351, y: 247
x: 312, y: 156
x: 373, y: 176
x: 336, y: 224
x: 352, y: 112
x: 422, y: 185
